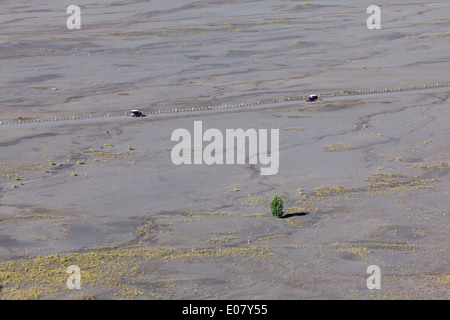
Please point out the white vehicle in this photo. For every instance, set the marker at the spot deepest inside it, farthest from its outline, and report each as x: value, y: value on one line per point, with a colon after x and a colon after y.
x: 136, y: 113
x: 312, y: 97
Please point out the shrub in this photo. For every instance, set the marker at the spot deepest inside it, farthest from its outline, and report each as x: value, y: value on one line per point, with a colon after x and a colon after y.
x: 276, y: 206
x: 73, y: 174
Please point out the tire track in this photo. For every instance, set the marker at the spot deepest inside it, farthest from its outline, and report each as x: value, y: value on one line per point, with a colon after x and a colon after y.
x: 334, y: 96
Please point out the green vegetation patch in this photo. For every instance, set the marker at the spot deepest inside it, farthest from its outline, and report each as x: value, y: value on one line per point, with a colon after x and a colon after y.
x: 107, y: 156
x: 114, y: 270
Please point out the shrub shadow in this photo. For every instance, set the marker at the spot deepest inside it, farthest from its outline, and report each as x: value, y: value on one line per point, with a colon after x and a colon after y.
x: 295, y: 214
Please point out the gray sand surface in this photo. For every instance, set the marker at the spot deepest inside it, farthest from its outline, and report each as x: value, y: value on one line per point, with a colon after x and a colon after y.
x: 364, y: 177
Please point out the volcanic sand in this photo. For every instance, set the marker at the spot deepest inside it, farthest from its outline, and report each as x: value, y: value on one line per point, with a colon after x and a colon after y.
x: 364, y: 177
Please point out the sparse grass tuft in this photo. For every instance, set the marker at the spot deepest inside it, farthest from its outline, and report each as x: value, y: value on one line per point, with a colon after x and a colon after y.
x: 338, y: 146
x: 221, y: 239
x: 297, y: 129
x: 327, y: 191
x: 44, y: 277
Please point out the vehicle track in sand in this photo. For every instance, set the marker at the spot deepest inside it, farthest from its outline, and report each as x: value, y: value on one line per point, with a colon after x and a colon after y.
x: 273, y: 103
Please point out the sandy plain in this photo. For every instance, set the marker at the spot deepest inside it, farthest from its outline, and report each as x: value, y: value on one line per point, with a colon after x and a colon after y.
x: 365, y: 177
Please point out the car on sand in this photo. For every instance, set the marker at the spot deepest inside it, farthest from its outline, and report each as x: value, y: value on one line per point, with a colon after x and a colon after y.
x: 136, y: 113
x: 312, y: 97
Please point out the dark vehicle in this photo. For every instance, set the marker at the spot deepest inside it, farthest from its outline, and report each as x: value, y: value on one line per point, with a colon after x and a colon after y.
x: 312, y: 97
x: 136, y: 113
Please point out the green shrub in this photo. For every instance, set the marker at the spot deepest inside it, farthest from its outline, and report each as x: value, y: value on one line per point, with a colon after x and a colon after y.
x: 276, y: 206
